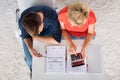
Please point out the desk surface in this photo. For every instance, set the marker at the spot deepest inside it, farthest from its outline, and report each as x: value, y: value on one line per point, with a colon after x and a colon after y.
x: 95, y: 67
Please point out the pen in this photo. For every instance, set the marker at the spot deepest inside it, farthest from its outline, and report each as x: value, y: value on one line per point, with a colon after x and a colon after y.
x: 51, y: 57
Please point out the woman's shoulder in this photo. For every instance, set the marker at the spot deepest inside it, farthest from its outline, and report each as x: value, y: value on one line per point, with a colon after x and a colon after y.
x: 91, y: 13
x: 62, y: 14
x: 91, y: 17
x: 63, y: 10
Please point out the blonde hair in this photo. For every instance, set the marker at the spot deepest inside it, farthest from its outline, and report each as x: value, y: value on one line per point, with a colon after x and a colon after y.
x: 77, y: 12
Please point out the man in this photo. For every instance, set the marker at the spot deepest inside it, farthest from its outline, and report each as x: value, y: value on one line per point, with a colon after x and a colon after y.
x: 38, y: 23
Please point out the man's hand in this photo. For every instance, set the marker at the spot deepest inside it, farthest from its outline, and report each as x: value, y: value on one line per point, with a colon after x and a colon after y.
x: 46, y: 39
x: 83, y: 54
x: 34, y: 53
x: 72, y: 49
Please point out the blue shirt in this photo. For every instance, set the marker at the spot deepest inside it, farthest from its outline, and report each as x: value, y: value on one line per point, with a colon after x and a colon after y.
x: 51, y: 25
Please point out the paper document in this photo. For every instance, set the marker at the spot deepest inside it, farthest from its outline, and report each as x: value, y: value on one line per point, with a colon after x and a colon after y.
x: 55, y: 59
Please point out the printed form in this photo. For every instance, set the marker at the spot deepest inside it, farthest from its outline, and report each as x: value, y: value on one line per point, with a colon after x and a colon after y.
x: 55, y: 59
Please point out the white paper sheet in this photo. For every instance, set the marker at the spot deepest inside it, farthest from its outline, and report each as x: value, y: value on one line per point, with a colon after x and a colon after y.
x: 55, y: 59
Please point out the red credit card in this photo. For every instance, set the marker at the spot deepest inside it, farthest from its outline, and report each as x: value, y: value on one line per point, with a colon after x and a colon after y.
x: 77, y: 60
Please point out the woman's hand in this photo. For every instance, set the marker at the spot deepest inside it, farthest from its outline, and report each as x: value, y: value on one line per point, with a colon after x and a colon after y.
x: 34, y: 53
x: 83, y: 53
x: 72, y: 49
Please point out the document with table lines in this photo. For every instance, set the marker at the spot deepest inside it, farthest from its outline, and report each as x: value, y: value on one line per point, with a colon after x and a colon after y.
x: 55, y: 59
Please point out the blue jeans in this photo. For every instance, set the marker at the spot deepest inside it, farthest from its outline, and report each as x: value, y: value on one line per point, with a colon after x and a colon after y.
x: 28, y: 57
x: 75, y: 38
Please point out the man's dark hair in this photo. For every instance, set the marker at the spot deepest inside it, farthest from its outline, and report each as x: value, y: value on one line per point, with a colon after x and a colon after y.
x: 31, y: 22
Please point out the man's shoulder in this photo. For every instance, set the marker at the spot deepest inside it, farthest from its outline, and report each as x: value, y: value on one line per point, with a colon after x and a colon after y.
x: 38, y: 7
x: 41, y: 8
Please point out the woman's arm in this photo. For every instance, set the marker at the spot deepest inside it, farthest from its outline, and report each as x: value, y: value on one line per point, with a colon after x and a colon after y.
x: 91, y: 31
x: 72, y: 47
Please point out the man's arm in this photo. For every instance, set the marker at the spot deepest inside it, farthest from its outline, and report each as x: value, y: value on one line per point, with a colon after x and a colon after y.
x: 29, y: 44
x: 46, y: 39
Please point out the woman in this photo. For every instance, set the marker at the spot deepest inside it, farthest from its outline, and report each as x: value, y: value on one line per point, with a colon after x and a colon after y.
x: 77, y: 20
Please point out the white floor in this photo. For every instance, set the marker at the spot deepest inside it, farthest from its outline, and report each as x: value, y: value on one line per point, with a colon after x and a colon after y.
x: 12, y: 65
